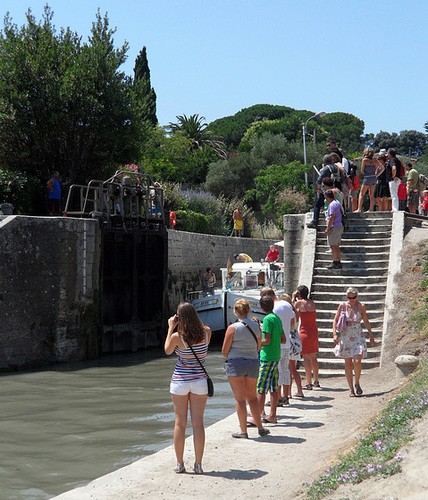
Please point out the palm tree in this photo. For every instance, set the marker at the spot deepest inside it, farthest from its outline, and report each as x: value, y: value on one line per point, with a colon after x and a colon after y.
x: 195, y: 129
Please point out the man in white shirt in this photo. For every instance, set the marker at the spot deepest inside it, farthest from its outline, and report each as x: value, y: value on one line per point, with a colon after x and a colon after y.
x: 284, y: 310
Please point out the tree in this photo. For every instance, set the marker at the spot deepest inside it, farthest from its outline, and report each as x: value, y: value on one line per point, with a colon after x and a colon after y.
x: 145, y: 95
x: 194, y: 128
x: 64, y: 104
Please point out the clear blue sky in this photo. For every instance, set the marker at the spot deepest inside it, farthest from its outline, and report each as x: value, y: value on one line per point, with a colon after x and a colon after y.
x: 215, y: 57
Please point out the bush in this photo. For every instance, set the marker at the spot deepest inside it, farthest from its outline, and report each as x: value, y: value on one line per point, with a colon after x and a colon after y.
x: 194, y: 222
x: 21, y: 190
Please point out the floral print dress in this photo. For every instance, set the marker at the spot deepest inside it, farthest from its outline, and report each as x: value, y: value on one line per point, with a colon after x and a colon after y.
x: 352, y: 341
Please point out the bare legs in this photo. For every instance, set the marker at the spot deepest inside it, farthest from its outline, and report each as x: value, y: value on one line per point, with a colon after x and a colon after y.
x: 311, y: 366
x: 297, y: 378
x: 197, y: 408
x: 382, y: 204
x: 273, y: 404
x: 353, y: 366
x: 245, y: 389
x: 371, y: 190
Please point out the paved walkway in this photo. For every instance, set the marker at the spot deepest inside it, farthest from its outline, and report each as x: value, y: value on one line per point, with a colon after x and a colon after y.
x: 308, y: 434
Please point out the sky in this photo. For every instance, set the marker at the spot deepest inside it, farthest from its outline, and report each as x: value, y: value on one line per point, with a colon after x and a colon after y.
x: 216, y: 57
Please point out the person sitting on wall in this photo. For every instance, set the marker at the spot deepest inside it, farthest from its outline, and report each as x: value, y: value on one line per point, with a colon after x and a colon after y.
x: 209, y: 281
x: 242, y: 256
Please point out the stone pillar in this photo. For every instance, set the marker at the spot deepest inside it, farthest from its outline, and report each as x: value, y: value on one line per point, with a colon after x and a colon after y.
x: 406, y: 364
x: 293, y: 231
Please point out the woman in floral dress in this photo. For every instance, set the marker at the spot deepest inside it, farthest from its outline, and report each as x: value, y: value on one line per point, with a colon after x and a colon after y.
x: 351, y: 343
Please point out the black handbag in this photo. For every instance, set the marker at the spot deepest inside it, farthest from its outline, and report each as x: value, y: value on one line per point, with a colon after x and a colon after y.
x: 209, y: 381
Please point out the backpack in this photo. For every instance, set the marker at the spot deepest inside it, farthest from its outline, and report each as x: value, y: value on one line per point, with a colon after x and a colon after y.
x: 352, y: 170
x: 400, y: 169
x: 422, y: 182
x: 337, y: 181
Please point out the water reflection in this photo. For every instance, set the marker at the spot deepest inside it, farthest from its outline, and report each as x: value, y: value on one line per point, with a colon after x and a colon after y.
x: 67, y: 425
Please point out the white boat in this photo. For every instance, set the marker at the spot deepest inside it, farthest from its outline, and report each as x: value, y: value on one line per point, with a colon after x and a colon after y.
x: 246, y: 279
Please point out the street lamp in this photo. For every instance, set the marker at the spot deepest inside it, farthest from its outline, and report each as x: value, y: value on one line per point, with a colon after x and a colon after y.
x: 321, y: 114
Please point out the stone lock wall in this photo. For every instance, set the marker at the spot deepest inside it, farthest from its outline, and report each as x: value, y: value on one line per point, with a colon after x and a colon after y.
x: 189, y: 254
x: 49, y: 279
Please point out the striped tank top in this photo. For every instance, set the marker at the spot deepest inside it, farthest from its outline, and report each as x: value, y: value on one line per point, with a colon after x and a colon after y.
x: 187, y: 367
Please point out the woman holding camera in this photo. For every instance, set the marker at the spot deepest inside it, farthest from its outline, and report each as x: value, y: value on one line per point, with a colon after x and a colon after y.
x: 188, y: 382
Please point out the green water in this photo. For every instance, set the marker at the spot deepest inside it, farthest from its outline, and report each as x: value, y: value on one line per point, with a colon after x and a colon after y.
x: 64, y: 426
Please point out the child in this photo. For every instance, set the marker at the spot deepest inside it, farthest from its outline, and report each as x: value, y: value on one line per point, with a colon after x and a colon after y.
x: 425, y: 202
x: 270, y: 354
x: 402, y: 195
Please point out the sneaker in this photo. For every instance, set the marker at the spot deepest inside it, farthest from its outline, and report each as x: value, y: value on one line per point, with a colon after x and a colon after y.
x: 312, y: 224
x: 316, y: 383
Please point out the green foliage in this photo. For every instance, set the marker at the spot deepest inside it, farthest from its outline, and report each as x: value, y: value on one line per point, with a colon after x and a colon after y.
x: 193, y: 222
x: 280, y: 188
x: 143, y: 93
x: 21, y: 190
x: 64, y: 105
x: 261, y: 118
x: 407, y: 141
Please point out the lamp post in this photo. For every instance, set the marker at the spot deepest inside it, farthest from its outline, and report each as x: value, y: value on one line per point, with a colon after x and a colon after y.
x: 321, y: 114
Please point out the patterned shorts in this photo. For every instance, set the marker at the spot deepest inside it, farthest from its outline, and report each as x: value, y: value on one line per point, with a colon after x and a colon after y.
x: 268, y: 377
x: 413, y: 198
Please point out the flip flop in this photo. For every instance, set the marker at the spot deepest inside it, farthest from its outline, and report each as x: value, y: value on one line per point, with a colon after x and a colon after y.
x: 358, y: 389
x: 251, y: 424
x: 308, y: 387
x: 238, y: 435
x: 352, y: 394
x: 266, y: 421
x: 298, y: 395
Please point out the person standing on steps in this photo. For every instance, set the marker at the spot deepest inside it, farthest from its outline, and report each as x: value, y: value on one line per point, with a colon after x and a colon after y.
x: 412, y: 188
x: 393, y: 176
x: 351, y: 342
x: 329, y: 170
x: 334, y: 228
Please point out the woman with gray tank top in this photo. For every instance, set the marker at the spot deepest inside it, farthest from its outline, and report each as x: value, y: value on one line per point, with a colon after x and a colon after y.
x: 240, y: 347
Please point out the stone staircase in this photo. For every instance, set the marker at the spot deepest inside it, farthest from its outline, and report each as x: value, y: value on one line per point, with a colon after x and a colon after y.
x: 365, y: 251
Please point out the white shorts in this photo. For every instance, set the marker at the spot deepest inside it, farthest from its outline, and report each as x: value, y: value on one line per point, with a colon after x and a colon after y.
x: 182, y: 388
x: 284, y: 377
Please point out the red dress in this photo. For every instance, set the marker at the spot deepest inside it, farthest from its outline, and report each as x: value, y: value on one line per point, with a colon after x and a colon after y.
x: 308, y: 332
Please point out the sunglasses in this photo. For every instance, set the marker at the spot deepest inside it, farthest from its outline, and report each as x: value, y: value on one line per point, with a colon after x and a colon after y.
x: 352, y: 298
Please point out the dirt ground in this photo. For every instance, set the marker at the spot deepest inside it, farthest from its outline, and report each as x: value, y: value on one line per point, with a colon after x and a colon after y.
x: 309, y: 435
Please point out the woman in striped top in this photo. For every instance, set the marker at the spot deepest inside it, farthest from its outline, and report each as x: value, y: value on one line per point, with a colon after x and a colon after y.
x: 188, y: 382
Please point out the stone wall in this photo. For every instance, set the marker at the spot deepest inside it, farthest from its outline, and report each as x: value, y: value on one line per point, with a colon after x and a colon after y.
x: 189, y: 254
x: 49, y: 279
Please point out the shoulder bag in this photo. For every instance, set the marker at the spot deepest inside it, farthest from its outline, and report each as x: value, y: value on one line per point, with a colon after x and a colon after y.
x: 341, y: 324
x: 209, y: 381
x: 295, y: 342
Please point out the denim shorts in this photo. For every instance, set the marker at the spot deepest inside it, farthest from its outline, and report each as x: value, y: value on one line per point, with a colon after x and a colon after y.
x: 242, y: 367
x: 184, y: 387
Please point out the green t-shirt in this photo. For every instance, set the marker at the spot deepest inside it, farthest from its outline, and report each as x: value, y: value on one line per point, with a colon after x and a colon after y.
x: 272, y: 324
x: 413, y: 174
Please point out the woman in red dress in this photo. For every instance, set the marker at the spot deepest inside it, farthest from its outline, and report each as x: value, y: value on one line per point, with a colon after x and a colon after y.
x: 306, y: 312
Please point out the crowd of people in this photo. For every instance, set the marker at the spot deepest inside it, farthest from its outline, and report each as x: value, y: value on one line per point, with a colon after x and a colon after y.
x: 260, y: 360
x: 389, y: 185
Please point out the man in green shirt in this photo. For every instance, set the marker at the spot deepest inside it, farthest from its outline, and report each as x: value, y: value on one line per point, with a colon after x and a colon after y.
x: 270, y: 353
x: 412, y: 188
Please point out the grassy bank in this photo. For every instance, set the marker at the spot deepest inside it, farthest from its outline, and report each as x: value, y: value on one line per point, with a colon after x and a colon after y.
x: 378, y: 453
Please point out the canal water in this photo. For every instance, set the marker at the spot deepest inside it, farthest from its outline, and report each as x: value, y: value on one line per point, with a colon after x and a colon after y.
x: 63, y: 426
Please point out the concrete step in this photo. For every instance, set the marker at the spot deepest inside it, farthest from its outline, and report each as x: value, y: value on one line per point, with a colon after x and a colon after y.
x: 328, y: 343
x: 357, y: 242
x: 360, y: 226
x: 326, y: 353
x: 337, y: 363
x: 325, y: 322
x: 357, y: 281
x: 376, y: 314
x: 339, y: 288
x: 324, y: 261
x: 351, y: 256
x: 350, y: 249
x: 349, y: 270
x: 328, y: 296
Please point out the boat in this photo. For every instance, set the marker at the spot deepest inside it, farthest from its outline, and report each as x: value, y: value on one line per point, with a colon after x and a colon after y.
x: 240, y: 280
